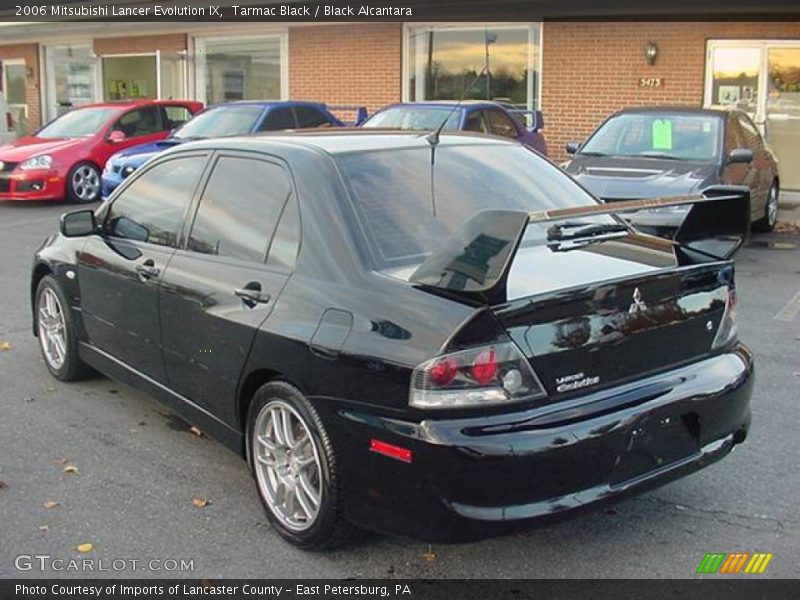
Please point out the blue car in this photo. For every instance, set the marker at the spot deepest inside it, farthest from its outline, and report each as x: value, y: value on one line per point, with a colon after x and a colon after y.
x: 495, y: 118
x: 222, y: 120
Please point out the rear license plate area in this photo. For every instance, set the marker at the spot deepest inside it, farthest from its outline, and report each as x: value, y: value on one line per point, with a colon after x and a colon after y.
x: 655, y: 441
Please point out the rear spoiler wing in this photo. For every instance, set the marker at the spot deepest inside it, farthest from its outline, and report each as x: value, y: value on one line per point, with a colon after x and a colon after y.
x: 477, y: 258
x: 536, y: 117
x: 359, y: 111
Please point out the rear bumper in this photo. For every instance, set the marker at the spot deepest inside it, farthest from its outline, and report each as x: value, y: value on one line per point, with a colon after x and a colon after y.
x: 473, y: 478
x: 32, y: 185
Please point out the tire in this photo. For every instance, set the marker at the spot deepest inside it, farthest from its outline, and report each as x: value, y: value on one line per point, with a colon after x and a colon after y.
x: 767, y: 222
x: 290, y: 507
x: 83, y: 183
x: 54, y: 320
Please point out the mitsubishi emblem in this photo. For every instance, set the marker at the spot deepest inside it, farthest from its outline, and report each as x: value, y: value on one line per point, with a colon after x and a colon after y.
x: 638, y: 304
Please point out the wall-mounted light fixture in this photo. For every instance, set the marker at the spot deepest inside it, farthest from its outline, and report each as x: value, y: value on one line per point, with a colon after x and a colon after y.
x: 650, y: 53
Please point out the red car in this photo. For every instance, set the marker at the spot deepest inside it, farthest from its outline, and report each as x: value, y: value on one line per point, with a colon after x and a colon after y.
x: 64, y: 159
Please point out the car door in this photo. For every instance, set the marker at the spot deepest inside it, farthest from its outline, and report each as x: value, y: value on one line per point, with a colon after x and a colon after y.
x: 761, y: 172
x: 500, y: 123
x: 475, y: 121
x: 308, y: 116
x: 278, y: 117
x: 218, y: 290
x: 119, y: 270
x: 739, y: 173
x: 139, y: 126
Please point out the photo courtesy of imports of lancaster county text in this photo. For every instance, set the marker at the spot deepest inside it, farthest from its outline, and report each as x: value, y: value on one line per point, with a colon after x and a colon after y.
x: 430, y: 299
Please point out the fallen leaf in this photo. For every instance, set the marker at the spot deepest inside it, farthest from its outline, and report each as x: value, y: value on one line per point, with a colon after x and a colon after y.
x: 44, y: 528
x: 84, y: 548
x: 71, y: 469
x: 51, y: 504
x: 3, y: 485
x: 142, y: 423
x: 62, y: 461
x: 5, y: 345
x: 195, y: 431
x: 113, y: 391
x: 200, y: 502
x: 50, y: 389
x: 30, y: 399
x: 429, y: 554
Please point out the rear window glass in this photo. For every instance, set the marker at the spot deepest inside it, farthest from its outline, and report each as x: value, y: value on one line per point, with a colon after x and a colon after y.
x: 402, y: 223
x: 416, y: 118
x: 222, y: 121
x: 658, y: 135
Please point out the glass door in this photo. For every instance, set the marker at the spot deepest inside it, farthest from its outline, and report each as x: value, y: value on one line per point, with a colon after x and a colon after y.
x: 71, y: 78
x: 782, y: 111
x: 13, y: 85
x: 761, y: 78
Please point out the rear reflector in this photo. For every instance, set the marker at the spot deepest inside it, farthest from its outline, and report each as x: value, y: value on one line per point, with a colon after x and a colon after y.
x: 389, y: 450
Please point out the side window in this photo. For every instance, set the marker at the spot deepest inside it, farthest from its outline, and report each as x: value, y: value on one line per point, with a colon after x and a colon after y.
x: 176, y: 116
x: 142, y: 121
x: 151, y: 208
x: 311, y: 117
x: 286, y: 241
x: 475, y: 122
x: 751, y: 135
x: 239, y: 208
x: 280, y: 117
x: 501, y: 124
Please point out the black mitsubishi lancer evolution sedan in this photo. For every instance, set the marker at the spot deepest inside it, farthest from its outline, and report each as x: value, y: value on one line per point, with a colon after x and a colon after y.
x: 438, y: 335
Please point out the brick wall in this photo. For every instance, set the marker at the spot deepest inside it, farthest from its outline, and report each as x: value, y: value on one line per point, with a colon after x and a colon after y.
x: 133, y: 45
x: 346, y: 64
x: 591, y: 69
x: 30, y: 53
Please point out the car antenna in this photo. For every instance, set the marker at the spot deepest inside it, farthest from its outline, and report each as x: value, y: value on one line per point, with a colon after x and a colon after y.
x: 433, y: 137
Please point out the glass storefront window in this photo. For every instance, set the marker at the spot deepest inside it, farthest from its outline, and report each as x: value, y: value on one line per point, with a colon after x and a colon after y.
x: 130, y: 77
x: 478, y: 62
x: 238, y: 69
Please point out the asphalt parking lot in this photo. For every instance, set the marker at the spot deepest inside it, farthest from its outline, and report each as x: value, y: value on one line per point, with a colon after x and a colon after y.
x: 139, y: 468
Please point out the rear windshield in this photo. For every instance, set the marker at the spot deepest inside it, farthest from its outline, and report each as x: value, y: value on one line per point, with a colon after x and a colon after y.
x: 658, y: 135
x: 220, y: 122
x: 400, y: 221
x: 419, y: 118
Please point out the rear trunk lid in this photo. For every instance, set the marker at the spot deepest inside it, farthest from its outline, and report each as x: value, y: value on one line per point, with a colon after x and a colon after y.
x: 609, y: 311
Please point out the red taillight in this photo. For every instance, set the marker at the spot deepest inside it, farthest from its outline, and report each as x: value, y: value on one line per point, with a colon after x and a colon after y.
x: 484, y: 369
x: 444, y: 371
x: 390, y: 450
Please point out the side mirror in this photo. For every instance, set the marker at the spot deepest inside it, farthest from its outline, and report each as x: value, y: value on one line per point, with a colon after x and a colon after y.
x: 116, y: 136
x: 740, y: 155
x: 78, y: 223
x: 538, y: 121
x: 572, y: 147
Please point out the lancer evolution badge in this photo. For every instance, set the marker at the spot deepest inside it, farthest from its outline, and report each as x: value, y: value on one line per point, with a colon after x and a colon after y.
x: 638, y: 304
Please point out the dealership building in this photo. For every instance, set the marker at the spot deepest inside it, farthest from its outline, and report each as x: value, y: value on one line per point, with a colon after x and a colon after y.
x: 576, y: 64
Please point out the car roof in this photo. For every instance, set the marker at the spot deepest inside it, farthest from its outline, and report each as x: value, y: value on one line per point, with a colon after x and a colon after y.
x: 125, y: 104
x: 446, y: 104
x: 266, y: 103
x: 688, y: 110
x: 343, y: 140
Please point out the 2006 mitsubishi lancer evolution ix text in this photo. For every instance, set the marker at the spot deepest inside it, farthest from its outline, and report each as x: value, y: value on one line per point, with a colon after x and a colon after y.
x: 437, y: 335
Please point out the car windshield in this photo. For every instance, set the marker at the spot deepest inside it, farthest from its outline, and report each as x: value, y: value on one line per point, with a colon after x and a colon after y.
x: 415, y: 118
x: 401, y: 223
x: 82, y: 122
x: 658, y: 135
x: 221, y: 121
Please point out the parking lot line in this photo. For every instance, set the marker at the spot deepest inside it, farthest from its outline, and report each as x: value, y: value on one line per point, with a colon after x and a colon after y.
x: 789, y: 312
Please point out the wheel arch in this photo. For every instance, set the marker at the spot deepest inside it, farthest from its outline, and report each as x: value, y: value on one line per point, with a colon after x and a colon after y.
x: 39, y: 272
x: 250, y: 385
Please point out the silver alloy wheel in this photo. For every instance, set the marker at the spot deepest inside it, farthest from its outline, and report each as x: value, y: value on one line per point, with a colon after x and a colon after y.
x: 772, y: 206
x: 287, y: 465
x: 52, y: 329
x: 85, y: 183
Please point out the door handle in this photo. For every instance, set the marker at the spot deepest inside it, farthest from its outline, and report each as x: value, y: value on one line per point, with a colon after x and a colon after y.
x: 148, y: 269
x: 251, y: 294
